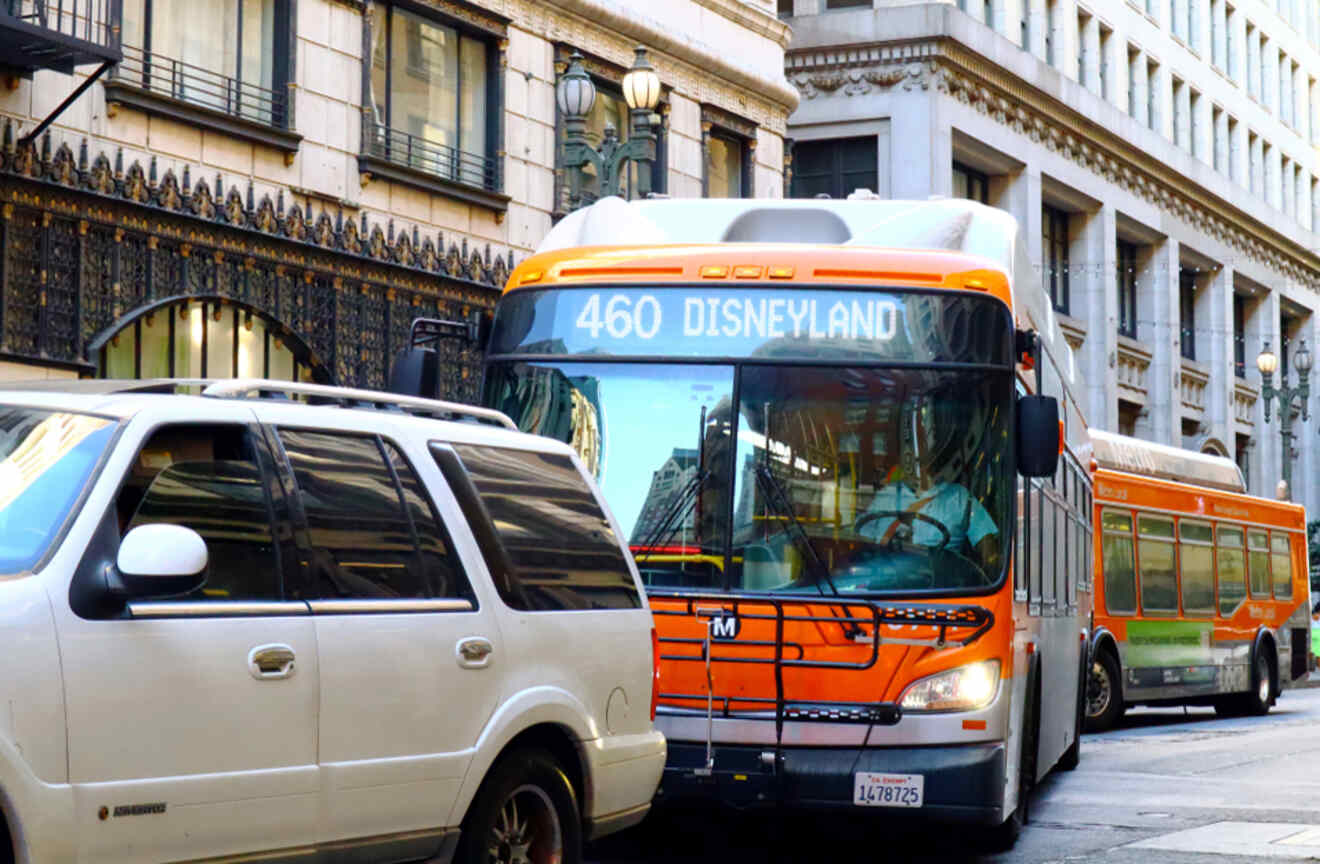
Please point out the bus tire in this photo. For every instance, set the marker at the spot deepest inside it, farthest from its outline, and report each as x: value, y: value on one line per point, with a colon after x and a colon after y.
x: 1257, y: 701
x: 1001, y: 838
x: 1072, y: 757
x: 1104, y: 692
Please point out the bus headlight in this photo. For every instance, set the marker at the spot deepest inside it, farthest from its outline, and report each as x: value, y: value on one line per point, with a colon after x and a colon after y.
x: 964, y: 688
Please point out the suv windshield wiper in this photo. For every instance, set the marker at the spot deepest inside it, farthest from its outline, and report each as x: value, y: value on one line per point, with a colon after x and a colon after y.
x: 777, y: 498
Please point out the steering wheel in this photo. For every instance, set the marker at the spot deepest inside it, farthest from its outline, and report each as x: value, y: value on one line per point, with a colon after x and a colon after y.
x: 908, y: 516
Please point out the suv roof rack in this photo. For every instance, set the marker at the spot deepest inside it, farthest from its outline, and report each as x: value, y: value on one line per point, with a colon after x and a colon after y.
x: 349, y: 397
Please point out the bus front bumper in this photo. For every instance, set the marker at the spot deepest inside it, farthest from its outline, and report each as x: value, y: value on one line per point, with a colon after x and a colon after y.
x: 962, y: 783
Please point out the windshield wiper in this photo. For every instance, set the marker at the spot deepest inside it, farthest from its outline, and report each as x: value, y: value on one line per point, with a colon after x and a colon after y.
x: 777, y: 498
x: 673, y: 517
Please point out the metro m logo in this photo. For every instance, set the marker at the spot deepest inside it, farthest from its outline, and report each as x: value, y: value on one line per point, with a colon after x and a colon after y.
x: 724, y: 625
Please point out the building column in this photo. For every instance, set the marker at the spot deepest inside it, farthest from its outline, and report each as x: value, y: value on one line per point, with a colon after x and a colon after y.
x: 1263, y: 325
x: 921, y: 154
x: 1214, y: 319
x: 1157, y: 328
x: 1095, y: 300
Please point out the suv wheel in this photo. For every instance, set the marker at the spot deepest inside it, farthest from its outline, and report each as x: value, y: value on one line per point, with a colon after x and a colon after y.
x: 525, y: 813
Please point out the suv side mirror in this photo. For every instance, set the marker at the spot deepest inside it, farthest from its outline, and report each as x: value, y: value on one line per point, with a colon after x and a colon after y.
x: 161, y: 560
x: 1038, y: 436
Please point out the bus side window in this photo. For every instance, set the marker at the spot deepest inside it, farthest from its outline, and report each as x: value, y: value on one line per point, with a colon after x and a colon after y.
x: 1230, y: 570
x: 1019, y: 548
x: 1159, y: 582
x: 1281, y: 565
x: 1258, y: 563
x: 1049, y: 533
x: 1196, y: 557
x: 1119, y: 563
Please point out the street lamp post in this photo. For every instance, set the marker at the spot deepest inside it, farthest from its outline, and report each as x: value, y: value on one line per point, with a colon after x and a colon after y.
x: 575, y: 93
x: 1267, y: 362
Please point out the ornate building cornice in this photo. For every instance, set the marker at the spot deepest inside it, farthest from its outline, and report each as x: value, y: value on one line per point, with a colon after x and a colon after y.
x: 948, y: 67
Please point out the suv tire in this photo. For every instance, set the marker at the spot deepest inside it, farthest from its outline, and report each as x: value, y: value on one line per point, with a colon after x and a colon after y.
x: 526, y: 811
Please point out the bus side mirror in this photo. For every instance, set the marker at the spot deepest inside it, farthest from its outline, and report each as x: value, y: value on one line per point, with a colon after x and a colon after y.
x: 1037, y: 436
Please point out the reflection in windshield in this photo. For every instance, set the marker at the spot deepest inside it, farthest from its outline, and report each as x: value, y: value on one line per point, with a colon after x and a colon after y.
x: 45, y: 459
x: 876, y: 479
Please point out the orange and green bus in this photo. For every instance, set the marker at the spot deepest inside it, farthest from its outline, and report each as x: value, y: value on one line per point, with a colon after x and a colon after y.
x: 844, y: 439
x: 1201, y: 591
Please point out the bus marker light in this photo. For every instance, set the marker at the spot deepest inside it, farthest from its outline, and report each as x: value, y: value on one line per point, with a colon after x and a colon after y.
x: 739, y: 776
x: 1031, y: 647
x: 780, y: 273
x: 530, y: 277
x: 714, y: 271
x: 977, y: 725
x: 1061, y: 437
x: 747, y: 271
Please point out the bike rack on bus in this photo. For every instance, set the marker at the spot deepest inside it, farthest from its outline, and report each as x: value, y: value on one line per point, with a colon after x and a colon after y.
x: 856, y: 614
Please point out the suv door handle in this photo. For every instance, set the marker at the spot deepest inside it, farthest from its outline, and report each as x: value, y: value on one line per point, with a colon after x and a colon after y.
x: 474, y: 652
x: 271, y: 662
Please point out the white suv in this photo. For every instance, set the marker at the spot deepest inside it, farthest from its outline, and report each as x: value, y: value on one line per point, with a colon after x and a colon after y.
x: 239, y: 628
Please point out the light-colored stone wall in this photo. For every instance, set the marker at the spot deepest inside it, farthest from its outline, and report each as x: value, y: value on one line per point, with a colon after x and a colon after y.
x: 727, y: 53
x: 934, y: 84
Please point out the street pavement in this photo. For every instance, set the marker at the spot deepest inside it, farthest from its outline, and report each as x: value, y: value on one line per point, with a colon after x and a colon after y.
x: 1166, y: 785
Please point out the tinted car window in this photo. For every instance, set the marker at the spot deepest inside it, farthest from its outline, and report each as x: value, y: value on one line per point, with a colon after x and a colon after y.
x: 559, y: 544
x: 209, y: 478
x: 360, y: 537
x: 440, y: 567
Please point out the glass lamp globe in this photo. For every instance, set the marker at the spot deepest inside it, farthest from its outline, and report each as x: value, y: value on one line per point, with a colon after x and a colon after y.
x: 1302, y: 362
x: 1267, y: 361
x: 641, y: 86
x: 575, y: 91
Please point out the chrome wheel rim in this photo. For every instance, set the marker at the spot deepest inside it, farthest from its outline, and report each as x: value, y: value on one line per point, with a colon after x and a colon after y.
x: 1263, y: 682
x: 1099, y: 690
x: 526, y: 829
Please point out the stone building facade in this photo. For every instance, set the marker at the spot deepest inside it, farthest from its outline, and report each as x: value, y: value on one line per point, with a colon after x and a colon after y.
x: 1160, y: 153
x: 279, y: 187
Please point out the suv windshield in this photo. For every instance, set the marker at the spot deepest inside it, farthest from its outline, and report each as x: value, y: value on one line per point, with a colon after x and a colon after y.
x: 874, y: 479
x: 46, y: 458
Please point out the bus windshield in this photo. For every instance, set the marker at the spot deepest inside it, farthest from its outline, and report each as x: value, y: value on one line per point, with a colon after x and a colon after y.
x: 821, y: 476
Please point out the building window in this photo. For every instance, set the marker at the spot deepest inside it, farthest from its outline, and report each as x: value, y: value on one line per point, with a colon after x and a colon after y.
x: 1194, y: 123
x: 785, y: 8
x: 1187, y: 311
x: 1049, y: 30
x: 1180, y: 126
x: 431, y: 105
x: 1153, y: 119
x: 847, y: 4
x: 726, y: 166
x: 230, y: 56
x: 1242, y: 456
x: 1105, y: 89
x: 834, y: 168
x: 1239, y: 336
x: 1218, y: 148
x: 988, y: 13
x: 1134, y: 67
x: 1083, y: 26
x: 1054, y: 243
x: 1127, y: 289
x: 970, y: 183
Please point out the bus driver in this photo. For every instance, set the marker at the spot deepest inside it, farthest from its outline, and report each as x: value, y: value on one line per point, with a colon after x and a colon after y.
x: 931, y: 511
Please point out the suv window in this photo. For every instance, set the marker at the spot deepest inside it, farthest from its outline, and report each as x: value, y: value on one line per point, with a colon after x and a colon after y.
x: 559, y: 544
x: 209, y: 478
x: 371, y: 535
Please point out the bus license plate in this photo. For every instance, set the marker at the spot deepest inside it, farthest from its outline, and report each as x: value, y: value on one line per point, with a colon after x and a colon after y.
x: 887, y: 790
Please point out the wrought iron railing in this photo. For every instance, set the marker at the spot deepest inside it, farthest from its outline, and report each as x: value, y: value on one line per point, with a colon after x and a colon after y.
x: 94, y: 21
x: 204, y: 87
x: 441, y: 160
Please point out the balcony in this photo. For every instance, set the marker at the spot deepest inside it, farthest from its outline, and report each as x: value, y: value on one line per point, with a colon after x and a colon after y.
x: 1132, y: 366
x: 58, y: 34
x: 395, y: 155
x: 1244, y: 403
x: 1193, y: 379
x: 198, y: 96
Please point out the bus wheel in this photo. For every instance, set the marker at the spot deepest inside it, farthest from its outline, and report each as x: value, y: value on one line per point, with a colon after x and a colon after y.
x: 1104, y: 697
x: 1257, y: 701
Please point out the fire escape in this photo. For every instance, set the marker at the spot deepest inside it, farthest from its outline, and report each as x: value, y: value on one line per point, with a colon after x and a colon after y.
x: 59, y: 35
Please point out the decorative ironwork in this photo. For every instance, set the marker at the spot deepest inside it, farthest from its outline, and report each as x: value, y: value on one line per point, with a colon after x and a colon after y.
x: 88, y: 242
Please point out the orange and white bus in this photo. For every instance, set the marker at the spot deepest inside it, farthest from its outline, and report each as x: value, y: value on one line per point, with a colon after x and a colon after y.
x: 813, y: 419
x: 1201, y: 594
